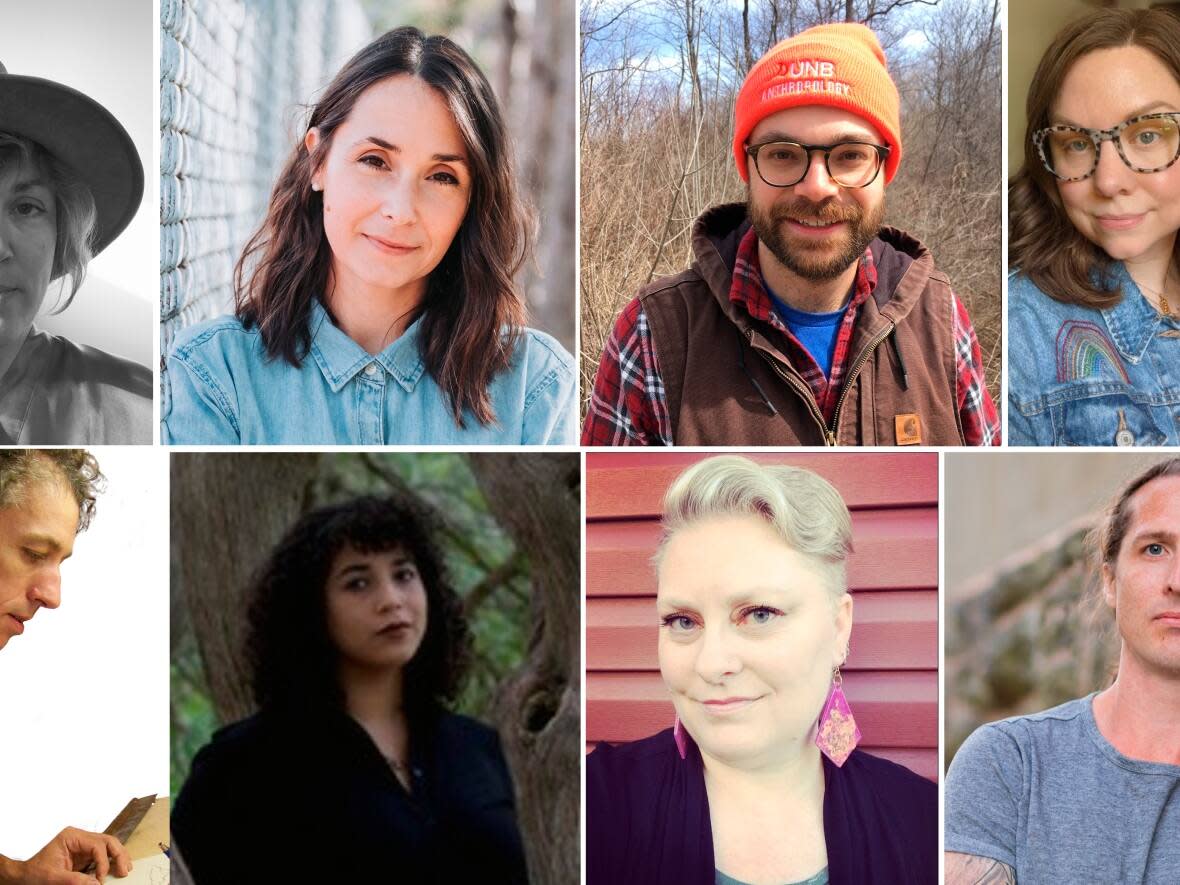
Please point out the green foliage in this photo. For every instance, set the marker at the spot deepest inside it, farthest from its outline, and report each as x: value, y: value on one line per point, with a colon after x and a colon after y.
x: 486, y: 569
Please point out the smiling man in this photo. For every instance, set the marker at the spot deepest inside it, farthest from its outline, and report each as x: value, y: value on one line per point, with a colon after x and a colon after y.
x: 1089, y: 791
x: 46, y: 498
x: 801, y: 321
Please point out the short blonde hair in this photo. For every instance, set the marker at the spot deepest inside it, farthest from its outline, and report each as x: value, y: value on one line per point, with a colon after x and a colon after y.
x: 802, y: 507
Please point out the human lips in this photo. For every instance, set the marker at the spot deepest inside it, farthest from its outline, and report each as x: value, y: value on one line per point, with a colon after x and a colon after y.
x: 725, y: 706
x: 1170, y: 618
x: 19, y: 623
x: 1120, y: 222
x: 395, y: 629
x: 391, y: 247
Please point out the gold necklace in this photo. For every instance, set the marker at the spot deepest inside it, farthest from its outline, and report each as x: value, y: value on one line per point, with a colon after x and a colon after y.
x: 1164, y: 308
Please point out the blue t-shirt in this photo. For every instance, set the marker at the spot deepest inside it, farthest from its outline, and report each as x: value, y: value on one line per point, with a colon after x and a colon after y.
x: 815, y: 331
x: 1050, y: 797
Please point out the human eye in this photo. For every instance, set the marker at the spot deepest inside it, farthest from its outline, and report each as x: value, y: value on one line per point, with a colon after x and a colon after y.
x: 758, y: 615
x: 781, y: 152
x: 373, y: 161
x: 357, y: 583
x: 446, y: 178
x: 35, y: 556
x: 678, y: 623
x: 850, y: 153
x: 405, y: 573
x: 1155, y: 549
x: 28, y: 209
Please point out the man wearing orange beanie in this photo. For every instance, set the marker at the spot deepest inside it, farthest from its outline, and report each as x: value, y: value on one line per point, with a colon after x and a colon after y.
x: 801, y: 321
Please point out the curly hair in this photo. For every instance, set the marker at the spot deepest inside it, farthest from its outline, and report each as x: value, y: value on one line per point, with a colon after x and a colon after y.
x: 293, y: 659
x: 21, y: 469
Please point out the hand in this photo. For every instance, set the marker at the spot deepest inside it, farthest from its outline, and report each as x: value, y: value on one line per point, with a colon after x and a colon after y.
x: 72, y: 850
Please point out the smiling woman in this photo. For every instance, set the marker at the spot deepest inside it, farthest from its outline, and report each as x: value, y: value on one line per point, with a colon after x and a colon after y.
x: 754, y: 622
x: 377, y: 303
x: 1094, y: 299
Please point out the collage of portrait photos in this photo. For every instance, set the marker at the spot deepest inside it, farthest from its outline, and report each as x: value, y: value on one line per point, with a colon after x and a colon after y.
x: 590, y: 442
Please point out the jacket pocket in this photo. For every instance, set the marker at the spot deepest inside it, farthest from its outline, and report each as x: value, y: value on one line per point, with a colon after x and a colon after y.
x: 1106, y: 417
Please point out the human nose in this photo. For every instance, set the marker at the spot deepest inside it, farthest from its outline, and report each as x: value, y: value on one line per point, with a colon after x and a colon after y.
x: 1112, y: 176
x: 5, y: 242
x: 717, y: 658
x: 46, y: 590
x: 816, y: 184
x: 399, y: 200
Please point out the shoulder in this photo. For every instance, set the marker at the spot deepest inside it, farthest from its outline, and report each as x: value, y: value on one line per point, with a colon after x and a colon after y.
x: 617, y: 772
x: 93, y: 366
x: 542, y: 352
x: 896, y: 789
x: 672, y: 290
x: 1008, y: 742
x: 469, y: 732
x: 1031, y: 308
x: 206, y: 338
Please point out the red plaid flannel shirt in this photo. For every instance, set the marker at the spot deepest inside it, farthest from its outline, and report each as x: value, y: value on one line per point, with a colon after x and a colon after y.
x: 629, y: 405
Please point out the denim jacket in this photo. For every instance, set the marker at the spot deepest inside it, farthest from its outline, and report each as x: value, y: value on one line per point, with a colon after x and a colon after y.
x: 222, y: 388
x: 1084, y: 377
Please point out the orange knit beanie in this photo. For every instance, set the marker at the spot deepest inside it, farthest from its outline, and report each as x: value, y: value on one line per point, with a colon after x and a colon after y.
x: 841, y: 65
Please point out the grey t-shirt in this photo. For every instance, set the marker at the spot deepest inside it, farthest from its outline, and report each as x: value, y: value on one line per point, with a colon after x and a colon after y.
x: 1050, y: 797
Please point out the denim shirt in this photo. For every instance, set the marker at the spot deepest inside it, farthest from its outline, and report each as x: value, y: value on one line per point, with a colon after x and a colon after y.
x: 222, y: 388
x: 1085, y: 377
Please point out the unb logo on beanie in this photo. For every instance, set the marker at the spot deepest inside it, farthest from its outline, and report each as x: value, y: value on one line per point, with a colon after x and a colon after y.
x: 840, y: 65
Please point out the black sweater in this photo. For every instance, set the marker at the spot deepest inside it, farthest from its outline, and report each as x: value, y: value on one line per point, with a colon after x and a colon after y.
x: 647, y: 819
x: 288, y: 798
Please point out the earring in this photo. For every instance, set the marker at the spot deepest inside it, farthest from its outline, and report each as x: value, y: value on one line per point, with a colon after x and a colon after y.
x: 681, y: 738
x: 316, y: 187
x: 838, y: 733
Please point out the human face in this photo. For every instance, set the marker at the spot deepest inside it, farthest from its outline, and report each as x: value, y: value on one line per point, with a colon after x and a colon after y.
x: 816, y: 228
x: 1132, y: 216
x: 36, y: 537
x: 28, y: 236
x: 1143, y: 587
x: 749, y: 636
x: 396, y: 184
x: 376, y: 606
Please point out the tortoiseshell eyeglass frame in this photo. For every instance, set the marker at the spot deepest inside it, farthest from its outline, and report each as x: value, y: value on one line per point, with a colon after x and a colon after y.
x: 1097, y: 136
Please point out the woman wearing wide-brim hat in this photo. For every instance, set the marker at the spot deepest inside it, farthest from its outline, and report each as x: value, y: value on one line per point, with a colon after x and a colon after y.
x: 70, y: 182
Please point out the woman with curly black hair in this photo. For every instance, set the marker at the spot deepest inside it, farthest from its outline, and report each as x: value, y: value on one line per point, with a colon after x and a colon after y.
x: 356, y: 642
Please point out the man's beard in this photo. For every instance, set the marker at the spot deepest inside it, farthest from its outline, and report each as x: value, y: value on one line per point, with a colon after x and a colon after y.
x: 816, y: 259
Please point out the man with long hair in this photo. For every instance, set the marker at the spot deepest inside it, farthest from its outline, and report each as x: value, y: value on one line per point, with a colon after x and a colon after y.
x: 1089, y: 791
x: 802, y: 321
x: 47, y: 497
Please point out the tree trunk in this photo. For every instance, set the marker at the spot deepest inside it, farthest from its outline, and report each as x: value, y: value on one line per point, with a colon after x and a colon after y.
x: 228, y: 510
x: 537, y: 499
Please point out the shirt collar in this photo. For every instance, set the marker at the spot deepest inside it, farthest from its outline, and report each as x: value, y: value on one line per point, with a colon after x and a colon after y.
x: 748, y: 288
x: 340, y: 358
x: 1133, y: 322
x: 19, y: 384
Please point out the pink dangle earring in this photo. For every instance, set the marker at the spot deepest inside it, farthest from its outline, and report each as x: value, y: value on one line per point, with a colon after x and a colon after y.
x: 838, y: 733
x: 678, y: 735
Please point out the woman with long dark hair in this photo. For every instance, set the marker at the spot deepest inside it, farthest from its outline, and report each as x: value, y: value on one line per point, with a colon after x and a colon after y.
x: 356, y: 644
x: 1094, y: 298
x: 377, y: 302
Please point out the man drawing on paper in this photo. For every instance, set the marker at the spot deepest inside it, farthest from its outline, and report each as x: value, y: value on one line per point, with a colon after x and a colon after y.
x: 46, y: 498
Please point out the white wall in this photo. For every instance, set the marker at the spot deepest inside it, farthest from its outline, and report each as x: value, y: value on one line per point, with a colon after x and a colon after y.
x: 84, y: 691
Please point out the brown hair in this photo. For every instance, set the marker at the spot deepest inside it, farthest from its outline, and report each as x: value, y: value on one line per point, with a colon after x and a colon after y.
x: 1043, y: 243
x: 1109, y: 534
x: 472, y: 313
x: 76, y: 468
x: 76, y: 213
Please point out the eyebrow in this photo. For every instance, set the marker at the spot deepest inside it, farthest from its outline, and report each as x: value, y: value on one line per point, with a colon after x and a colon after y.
x: 1152, y: 535
x: 31, y: 184
x: 1137, y: 112
x: 364, y: 566
x: 733, y: 600
x: 49, y: 541
x: 395, y: 149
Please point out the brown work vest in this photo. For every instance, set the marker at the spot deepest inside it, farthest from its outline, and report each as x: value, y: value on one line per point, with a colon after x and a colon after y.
x: 723, y: 371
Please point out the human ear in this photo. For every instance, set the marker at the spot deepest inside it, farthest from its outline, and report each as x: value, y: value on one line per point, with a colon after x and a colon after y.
x: 1109, y: 591
x: 843, y: 629
x: 311, y: 141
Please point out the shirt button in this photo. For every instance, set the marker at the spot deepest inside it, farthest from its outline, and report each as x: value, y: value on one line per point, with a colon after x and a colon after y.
x: 371, y: 369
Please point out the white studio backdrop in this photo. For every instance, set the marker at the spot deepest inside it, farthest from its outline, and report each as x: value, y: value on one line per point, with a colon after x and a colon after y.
x: 84, y: 718
x: 103, y: 49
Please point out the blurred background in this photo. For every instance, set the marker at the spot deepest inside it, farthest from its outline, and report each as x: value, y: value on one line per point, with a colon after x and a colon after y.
x: 237, y: 78
x: 511, y: 541
x: 1025, y: 628
x: 105, y: 51
x: 658, y: 85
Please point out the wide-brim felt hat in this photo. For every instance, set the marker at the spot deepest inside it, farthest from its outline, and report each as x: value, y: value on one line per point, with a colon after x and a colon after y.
x: 84, y: 135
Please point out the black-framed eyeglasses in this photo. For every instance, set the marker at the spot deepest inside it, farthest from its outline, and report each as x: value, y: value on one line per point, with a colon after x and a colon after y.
x: 1148, y: 143
x: 849, y: 163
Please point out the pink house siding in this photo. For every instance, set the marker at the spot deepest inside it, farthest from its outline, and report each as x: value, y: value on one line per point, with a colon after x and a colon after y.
x: 891, y: 678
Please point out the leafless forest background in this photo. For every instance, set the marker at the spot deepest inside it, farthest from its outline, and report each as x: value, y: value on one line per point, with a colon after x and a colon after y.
x: 658, y: 83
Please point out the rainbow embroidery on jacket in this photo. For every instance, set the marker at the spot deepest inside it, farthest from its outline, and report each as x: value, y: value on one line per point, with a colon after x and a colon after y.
x: 1082, y: 348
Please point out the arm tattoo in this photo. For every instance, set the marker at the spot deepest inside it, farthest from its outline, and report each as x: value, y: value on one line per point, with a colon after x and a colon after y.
x: 968, y: 869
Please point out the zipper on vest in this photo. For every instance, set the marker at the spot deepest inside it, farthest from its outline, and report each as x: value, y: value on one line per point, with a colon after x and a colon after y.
x: 861, y: 359
x: 800, y: 387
